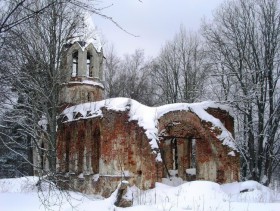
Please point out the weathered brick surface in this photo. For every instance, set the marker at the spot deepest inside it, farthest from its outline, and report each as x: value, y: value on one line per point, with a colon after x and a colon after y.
x: 212, y: 160
x: 224, y: 117
x: 116, y: 146
x: 116, y: 149
x: 77, y: 93
x: 95, y: 154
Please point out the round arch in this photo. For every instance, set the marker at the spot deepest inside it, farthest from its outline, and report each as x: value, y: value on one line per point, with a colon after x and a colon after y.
x: 193, y: 150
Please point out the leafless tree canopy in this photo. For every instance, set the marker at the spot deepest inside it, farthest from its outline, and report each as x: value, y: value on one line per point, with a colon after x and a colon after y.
x: 243, y: 47
x: 180, y: 70
x: 129, y: 76
x: 31, y: 49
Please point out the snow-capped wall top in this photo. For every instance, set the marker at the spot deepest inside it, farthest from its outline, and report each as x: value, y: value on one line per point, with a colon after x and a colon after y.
x: 87, y: 82
x: 147, y: 117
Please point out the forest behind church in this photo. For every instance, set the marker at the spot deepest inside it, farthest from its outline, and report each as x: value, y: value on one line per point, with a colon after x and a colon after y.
x: 233, y: 59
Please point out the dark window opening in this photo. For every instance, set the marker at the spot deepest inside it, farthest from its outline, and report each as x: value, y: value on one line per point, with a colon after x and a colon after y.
x: 139, y: 172
x: 89, y: 70
x: 75, y: 64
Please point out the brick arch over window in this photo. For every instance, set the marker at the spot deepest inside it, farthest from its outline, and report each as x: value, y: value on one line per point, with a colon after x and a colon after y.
x: 212, y: 160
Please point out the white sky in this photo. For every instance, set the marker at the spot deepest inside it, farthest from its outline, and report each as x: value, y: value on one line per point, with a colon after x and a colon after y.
x: 154, y: 21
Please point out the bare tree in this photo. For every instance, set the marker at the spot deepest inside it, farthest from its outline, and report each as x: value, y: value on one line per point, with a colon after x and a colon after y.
x: 180, y: 70
x: 129, y: 76
x: 11, y: 10
x: 33, y: 49
x: 112, y: 66
x: 243, y: 45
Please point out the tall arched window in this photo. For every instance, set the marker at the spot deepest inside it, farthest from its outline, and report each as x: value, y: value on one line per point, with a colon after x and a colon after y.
x: 174, y: 153
x: 89, y: 71
x: 75, y: 64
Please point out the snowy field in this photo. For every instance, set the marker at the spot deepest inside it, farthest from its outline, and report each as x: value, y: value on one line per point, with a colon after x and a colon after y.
x: 21, y: 195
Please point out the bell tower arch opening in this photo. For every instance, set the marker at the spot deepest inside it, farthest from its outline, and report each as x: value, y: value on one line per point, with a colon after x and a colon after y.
x: 82, y: 63
x: 89, y: 64
x: 75, y: 65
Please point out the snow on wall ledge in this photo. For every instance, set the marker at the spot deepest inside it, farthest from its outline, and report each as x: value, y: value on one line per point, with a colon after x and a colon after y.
x: 86, y: 82
x: 147, y: 117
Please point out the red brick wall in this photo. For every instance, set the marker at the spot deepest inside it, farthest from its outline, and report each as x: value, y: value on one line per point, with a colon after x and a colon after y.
x: 122, y: 147
x: 224, y: 117
x: 212, y: 159
x: 111, y: 145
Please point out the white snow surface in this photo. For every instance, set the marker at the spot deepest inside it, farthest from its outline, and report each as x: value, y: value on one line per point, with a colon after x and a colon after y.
x: 22, y: 194
x: 249, y: 191
x: 87, y: 82
x: 191, y: 171
x: 147, y: 117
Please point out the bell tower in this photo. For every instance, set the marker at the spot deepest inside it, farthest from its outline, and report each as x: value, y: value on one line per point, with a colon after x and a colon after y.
x: 82, y: 74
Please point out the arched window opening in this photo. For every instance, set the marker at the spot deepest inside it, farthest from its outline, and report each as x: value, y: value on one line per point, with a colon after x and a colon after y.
x: 174, y: 153
x: 89, y: 71
x: 75, y: 64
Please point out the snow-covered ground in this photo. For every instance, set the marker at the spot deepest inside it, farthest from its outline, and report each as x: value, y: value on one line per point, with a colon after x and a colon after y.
x: 21, y: 195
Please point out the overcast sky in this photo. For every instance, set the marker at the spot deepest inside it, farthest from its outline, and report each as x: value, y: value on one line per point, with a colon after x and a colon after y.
x: 154, y: 21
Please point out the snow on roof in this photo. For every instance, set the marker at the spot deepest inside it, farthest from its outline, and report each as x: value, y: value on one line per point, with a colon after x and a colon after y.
x: 147, y: 117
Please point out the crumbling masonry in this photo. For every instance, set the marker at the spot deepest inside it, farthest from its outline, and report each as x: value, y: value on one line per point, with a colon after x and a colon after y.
x: 101, y: 143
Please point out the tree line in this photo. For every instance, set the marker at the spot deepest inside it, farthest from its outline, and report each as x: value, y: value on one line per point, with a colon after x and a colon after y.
x: 234, y: 59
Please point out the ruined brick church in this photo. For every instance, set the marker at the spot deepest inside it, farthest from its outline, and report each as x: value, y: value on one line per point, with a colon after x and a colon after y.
x: 103, y: 141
